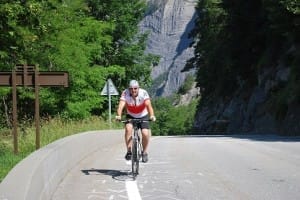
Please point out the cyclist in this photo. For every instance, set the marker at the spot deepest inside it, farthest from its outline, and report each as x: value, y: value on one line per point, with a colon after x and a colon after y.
x: 138, y: 106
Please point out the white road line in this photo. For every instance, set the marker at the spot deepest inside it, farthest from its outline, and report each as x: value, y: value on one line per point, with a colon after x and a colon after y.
x: 200, y: 174
x: 132, y: 190
x: 128, y: 162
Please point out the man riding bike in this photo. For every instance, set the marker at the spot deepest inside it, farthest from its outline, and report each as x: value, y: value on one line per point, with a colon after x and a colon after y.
x: 138, y: 106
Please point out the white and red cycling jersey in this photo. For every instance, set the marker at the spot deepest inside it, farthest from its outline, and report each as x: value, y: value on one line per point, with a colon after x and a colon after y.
x: 136, y: 107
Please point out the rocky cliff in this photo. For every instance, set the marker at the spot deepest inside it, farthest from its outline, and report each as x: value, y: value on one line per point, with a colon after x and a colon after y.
x: 250, y: 110
x: 169, y: 23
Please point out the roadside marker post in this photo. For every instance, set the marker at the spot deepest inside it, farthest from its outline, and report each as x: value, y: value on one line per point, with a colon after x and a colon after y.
x: 109, y: 89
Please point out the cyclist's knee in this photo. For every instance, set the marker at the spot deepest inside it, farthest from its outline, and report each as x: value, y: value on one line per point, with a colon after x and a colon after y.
x: 128, y: 127
x: 145, y: 131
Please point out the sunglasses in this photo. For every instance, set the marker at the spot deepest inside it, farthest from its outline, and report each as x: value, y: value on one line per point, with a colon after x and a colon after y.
x: 133, y: 88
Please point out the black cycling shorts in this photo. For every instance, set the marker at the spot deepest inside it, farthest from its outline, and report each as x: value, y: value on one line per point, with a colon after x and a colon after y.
x: 144, y: 125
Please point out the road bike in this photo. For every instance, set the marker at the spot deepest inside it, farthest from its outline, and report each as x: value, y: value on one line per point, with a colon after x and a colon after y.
x: 136, y: 147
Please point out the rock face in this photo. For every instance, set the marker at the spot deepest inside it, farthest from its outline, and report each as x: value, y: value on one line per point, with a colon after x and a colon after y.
x: 249, y: 111
x: 193, y: 93
x: 169, y: 24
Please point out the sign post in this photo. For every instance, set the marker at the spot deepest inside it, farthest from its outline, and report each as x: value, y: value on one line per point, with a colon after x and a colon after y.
x: 26, y: 75
x: 109, y: 89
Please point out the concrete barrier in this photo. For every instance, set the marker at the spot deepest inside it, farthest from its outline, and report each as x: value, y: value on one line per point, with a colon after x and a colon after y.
x: 37, y: 176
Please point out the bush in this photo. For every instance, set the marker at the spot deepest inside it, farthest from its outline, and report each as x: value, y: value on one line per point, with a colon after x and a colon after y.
x: 188, y: 84
x: 172, y: 120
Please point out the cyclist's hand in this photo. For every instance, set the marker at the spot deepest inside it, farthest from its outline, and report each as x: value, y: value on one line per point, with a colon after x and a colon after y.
x: 153, y: 118
x: 118, y: 118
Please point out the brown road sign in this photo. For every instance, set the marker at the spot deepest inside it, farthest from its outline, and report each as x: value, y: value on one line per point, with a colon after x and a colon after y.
x: 44, y: 78
x: 28, y: 75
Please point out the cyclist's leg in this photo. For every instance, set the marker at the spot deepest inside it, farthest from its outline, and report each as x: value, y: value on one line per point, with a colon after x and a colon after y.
x: 145, y: 139
x: 128, y: 141
x: 128, y: 132
x: 145, y: 134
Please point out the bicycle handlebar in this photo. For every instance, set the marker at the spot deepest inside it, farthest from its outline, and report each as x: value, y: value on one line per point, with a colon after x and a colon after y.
x: 136, y: 120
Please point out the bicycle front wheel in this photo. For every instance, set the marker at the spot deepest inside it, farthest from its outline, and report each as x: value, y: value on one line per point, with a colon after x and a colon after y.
x: 135, y: 158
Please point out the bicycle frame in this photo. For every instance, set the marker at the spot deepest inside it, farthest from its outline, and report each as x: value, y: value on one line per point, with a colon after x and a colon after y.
x: 136, y: 147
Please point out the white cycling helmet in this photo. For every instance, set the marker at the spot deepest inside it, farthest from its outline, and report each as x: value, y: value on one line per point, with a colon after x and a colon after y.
x: 133, y: 84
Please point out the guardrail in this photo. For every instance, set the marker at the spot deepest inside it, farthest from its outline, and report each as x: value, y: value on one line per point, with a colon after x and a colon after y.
x: 38, y: 175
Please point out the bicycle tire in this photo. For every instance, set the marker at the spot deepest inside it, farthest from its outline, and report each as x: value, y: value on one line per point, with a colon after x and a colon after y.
x: 135, y: 158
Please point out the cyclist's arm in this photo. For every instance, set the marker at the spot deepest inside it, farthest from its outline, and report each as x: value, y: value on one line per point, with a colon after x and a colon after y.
x: 120, y: 107
x: 149, y: 107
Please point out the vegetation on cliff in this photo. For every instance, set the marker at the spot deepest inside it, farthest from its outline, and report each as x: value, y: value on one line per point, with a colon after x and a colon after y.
x: 237, y: 42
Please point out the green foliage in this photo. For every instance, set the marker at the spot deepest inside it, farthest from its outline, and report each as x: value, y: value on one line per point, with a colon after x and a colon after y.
x: 125, y: 14
x: 292, y: 6
x: 212, y: 44
x: 91, y: 40
x: 16, y: 37
x: 51, y: 130
x: 172, y: 120
x: 234, y: 41
x: 187, y: 85
x: 161, y: 106
x: 128, y: 46
x: 8, y: 160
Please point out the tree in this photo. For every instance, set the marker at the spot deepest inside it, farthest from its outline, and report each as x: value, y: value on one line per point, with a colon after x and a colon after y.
x: 128, y: 45
x: 70, y: 36
x: 235, y: 41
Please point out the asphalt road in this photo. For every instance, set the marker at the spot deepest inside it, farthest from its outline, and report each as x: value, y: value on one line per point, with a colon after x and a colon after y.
x: 190, y: 168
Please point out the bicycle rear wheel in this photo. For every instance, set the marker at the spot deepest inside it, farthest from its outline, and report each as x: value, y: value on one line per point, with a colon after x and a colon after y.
x: 135, y: 158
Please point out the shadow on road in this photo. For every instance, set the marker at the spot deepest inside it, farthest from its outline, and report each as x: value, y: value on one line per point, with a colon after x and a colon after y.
x: 119, y: 175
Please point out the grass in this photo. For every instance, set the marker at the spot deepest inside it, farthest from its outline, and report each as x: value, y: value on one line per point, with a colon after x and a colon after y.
x: 50, y: 131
